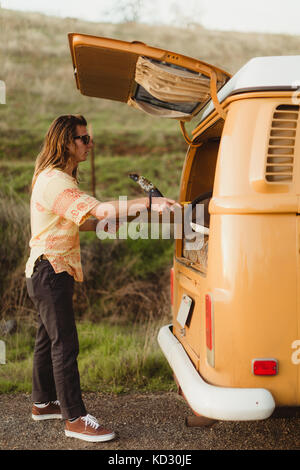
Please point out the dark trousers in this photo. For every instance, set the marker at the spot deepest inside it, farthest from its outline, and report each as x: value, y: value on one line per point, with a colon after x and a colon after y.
x: 55, y: 370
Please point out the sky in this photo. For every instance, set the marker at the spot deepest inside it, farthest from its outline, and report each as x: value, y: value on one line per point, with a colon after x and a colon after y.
x: 269, y: 16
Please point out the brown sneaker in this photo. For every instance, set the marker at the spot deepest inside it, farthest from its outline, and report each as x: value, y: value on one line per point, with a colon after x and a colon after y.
x: 50, y: 410
x: 87, y: 428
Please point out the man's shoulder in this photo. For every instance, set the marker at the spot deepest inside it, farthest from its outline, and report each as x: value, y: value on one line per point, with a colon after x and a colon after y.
x: 51, y: 173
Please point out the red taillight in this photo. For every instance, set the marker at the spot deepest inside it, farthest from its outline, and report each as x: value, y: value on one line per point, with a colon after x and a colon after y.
x: 208, y: 309
x: 264, y: 366
x: 209, y: 317
x: 172, y: 284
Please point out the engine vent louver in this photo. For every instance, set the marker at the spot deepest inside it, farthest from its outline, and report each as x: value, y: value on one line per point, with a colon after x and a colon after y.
x: 280, y: 158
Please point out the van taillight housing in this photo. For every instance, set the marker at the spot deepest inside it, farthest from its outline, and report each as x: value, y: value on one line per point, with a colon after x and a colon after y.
x: 265, y: 366
x: 172, y: 285
x: 209, y: 326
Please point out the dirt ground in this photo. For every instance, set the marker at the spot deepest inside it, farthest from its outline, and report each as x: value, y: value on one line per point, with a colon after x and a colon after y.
x: 143, y: 422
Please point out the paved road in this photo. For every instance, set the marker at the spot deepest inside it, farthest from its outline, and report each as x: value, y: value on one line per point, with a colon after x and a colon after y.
x: 143, y: 421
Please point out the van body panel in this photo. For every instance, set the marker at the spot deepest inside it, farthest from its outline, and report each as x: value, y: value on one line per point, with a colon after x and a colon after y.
x: 256, y: 315
x: 248, y: 127
x: 251, y: 309
x: 187, y: 284
x: 253, y: 205
x: 252, y: 272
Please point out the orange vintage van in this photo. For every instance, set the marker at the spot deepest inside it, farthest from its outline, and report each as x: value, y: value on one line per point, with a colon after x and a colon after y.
x: 234, y: 341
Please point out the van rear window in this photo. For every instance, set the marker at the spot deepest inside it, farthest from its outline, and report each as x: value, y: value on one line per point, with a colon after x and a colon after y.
x: 142, y: 95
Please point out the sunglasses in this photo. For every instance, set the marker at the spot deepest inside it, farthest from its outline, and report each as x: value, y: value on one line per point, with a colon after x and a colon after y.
x: 85, y: 138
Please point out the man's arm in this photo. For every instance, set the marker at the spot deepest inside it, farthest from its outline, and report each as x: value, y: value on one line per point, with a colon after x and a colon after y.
x: 89, y: 225
x: 115, y: 210
x: 118, y: 209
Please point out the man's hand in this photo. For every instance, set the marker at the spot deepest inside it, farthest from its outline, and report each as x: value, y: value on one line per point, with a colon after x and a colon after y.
x: 161, y: 204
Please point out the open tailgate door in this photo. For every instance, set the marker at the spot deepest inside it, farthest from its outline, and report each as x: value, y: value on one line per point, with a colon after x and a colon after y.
x: 156, y: 81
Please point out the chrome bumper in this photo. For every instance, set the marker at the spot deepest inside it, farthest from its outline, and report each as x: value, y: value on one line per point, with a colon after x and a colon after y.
x: 220, y: 403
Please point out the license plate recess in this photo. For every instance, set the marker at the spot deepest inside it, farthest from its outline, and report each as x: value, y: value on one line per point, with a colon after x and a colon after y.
x: 185, y: 310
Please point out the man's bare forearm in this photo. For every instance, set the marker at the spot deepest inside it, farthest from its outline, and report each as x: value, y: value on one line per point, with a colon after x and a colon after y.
x: 117, y: 209
x: 89, y: 225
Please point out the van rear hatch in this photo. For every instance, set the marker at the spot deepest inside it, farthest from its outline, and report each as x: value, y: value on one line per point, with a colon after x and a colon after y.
x: 156, y: 81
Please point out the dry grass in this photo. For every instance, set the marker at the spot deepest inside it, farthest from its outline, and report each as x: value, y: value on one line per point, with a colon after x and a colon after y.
x: 114, y: 289
x: 36, y: 64
x: 229, y: 50
x: 14, y: 236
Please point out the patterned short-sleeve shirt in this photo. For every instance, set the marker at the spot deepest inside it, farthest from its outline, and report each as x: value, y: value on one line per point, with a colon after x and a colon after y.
x: 57, y: 209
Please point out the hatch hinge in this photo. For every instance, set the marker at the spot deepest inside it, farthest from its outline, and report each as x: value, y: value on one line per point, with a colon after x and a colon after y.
x: 186, y: 137
x: 220, y: 110
x: 214, y: 96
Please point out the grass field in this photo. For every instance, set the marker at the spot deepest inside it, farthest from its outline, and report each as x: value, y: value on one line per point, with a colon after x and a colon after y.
x: 126, y: 290
x: 112, y: 359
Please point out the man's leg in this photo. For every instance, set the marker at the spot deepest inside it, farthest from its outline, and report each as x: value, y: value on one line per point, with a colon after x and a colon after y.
x: 53, y: 297
x: 43, y: 384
